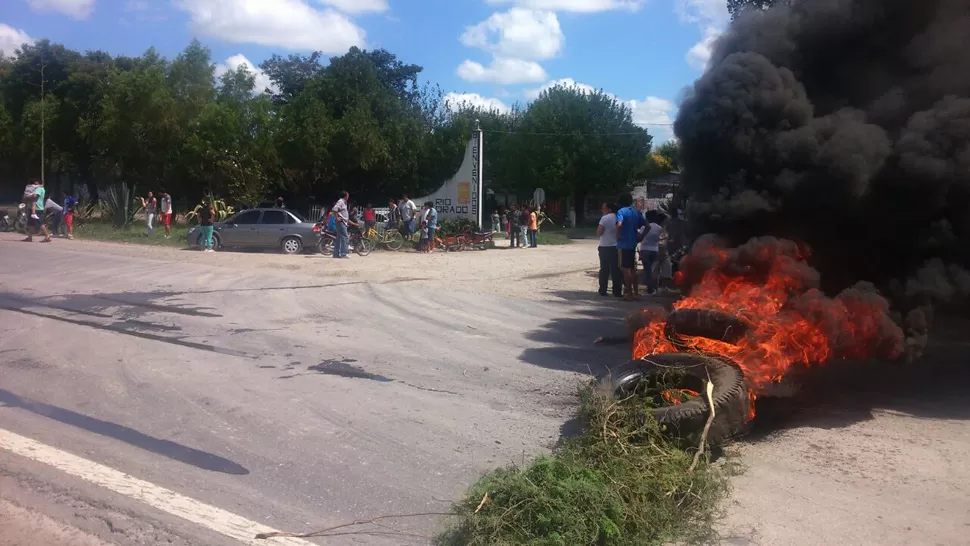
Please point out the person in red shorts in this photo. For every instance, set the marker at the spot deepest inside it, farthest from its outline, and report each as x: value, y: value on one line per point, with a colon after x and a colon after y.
x: 166, y: 210
x: 70, y: 204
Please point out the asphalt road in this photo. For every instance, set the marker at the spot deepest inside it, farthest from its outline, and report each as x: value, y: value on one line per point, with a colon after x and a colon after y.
x: 291, y: 401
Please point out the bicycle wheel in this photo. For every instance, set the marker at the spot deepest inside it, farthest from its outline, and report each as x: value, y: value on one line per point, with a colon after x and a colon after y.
x: 393, y: 240
x: 363, y: 246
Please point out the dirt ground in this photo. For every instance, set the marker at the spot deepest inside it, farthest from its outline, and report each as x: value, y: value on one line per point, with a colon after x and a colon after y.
x: 866, y: 455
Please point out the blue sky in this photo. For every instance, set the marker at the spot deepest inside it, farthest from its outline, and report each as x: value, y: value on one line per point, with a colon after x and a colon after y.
x: 495, y: 52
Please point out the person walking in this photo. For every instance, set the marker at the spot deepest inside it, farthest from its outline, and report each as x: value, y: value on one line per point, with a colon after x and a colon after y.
x: 533, y: 227
x: 166, y: 212
x: 515, y: 220
x: 37, y: 201
x: 206, y: 217
x: 609, y: 264
x: 629, y: 221
x: 150, y: 205
x: 70, y: 205
x: 341, y: 248
x: 650, y: 249
x: 56, y: 212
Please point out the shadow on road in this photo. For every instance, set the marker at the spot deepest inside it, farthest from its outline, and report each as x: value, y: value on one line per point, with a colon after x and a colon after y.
x: 165, y: 448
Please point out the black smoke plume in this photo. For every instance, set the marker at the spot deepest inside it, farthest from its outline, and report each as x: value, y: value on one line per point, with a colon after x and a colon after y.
x: 843, y: 124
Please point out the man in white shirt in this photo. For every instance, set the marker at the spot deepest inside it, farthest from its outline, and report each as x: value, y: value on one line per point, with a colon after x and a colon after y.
x: 342, y: 216
x: 609, y: 262
x: 408, y: 209
x: 650, y: 248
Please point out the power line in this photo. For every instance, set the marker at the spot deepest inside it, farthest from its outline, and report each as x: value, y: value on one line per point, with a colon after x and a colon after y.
x: 577, y: 134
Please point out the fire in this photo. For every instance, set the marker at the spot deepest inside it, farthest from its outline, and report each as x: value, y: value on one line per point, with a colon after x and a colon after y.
x: 767, y: 285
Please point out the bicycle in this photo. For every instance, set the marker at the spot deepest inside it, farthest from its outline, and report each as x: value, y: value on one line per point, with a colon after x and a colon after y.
x: 326, y: 240
x: 391, y: 239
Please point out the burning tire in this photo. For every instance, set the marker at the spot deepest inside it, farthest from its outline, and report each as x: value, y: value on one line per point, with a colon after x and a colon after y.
x: 703, y: 323
x: 676, y: 383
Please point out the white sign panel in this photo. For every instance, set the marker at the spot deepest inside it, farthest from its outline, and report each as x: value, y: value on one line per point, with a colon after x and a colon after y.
x: 458, y: 197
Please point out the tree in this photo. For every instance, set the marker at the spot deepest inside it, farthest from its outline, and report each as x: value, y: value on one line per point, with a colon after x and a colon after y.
x: 670, y: 150
x: 575, y: 143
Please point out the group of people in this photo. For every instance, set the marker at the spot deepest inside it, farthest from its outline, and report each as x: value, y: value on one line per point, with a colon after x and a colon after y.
x: 159, y: 209
x: 520, y: 224
x: 621, y: 229
x: 405, y: 216
x: 344, y: 219
x: 40, y: 204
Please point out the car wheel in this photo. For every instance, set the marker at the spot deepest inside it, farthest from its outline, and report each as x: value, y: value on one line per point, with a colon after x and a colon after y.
x: 291, y: 245
x: 216, y: 244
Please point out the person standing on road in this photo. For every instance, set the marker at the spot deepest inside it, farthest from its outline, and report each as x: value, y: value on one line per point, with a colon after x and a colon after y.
x: 57, y: 212
x: 650, y: 249
x: 342, y: 216
x: 432, y: 220
x: 166, y: 211
x: 408, y: 210
x: 524, y: 225
x: 629, y: 221
x: 505, y: 222
x: 37, y: 200
x: 515, y: 220
x: 206, y: 216
x: 370, y: 219
x: 495, y: 221
x: 150, y: 205
x: 533, y: 227
x: 70, y: 205
x: 609, y: 264
x: 393, y: 215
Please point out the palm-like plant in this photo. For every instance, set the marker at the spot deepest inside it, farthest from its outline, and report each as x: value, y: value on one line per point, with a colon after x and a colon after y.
x: 120, y: 204
x: 223, y: 210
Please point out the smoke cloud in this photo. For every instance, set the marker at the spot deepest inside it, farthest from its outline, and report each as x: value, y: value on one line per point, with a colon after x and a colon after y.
x: 843, y: 124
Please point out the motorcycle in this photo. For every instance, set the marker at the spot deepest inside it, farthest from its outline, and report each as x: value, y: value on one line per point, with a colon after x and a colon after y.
x: 480, y: 240
x: 326, y: 240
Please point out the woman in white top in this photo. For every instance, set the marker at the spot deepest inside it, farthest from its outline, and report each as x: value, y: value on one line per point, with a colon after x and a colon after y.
x: 650, y: 248
x: 609, y: 259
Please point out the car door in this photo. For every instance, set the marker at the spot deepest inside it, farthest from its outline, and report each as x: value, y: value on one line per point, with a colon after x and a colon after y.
x: 240, y: 230
x: 271, y: 228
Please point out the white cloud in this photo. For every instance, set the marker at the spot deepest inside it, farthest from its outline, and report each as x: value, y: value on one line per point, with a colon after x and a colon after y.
x: 455, y: 100
x: 291, y: 24
x: 700, y: 53
x: 518, y: 33
x: 233, y: 63
x: 78, y: 9
x: 11, y: 39
x: 576, y: 6
x: 711, y: 16
x: 502, y: 71
x: 656, y: 115
x: 534, y: 93
x: 357, y: 6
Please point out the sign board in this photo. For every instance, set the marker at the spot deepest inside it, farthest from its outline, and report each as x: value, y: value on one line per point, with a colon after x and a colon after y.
x: 539, y: 196
x: 458, y: 198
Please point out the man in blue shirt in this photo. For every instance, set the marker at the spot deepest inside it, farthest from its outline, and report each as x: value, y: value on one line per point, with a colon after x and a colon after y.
x: 629, y: 222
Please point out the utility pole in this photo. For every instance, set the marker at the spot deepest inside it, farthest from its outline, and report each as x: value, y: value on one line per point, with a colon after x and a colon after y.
x: 43, y: 114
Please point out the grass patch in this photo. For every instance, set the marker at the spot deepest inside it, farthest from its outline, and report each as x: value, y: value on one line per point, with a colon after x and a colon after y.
x: 621, y: 483
x: 135, y: 234
x: 552, y: 238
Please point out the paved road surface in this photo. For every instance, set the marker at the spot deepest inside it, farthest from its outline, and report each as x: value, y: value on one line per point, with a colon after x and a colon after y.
x: 293, y: 402
x: 150, y: 397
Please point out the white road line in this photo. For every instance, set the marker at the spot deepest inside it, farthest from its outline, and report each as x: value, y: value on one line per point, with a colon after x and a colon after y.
x: 210, y: 517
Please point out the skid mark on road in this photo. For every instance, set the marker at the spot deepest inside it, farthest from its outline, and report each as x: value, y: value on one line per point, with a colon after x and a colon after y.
x: 142, y: 335
x: 166, y: 500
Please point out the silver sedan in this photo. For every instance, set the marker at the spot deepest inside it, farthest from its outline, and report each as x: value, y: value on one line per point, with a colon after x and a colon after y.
x: 260, y: 228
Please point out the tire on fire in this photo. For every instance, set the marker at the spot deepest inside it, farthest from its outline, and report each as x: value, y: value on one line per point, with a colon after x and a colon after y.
x: 686, y: 420
x: 703, y: 323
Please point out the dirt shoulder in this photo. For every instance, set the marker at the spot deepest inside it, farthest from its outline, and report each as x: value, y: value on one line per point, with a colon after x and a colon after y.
x: 546, y: 272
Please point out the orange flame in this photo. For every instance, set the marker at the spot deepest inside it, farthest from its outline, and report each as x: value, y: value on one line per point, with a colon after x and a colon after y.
x: 789, y: 320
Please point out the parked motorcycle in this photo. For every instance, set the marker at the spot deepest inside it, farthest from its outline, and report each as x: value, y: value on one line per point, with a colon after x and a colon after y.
x: 326, y: 240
